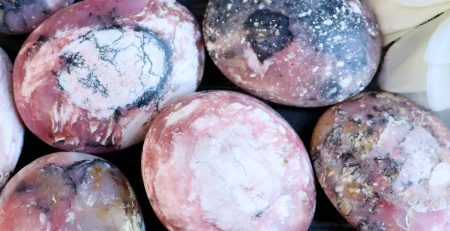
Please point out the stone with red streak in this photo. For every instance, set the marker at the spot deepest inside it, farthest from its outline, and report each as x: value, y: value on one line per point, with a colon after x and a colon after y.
x: 224, y: 161
x: 69, y: 191
x: 22, y: 16
x: 384, y: 162
x: 11, y: 128
x: 92, y: 76
x: 295, y: 52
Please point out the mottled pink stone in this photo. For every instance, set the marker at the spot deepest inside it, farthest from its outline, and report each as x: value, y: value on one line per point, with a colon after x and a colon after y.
x: 295, y: 52
x: 11, y: 128
x: 69, y: 191
x: 225, y: 161
x: 385, y: 164
x: 22, y: 16
x: 91, y: 77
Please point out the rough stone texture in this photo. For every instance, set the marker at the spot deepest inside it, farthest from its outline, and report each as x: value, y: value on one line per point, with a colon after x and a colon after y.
x: 11, y: 128
x: 296, y: 52
x: 384, y: 163
x: 69, y: 191
x: 23, y: 16
x: 92, y: 76
x: 225, y: 161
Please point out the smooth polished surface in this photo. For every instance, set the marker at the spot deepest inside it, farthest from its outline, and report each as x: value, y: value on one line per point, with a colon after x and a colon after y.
x: 91, y: 77
x: 69, y: 191
x: 221, y: 160
x: 299, y: 53
x: 384, y: 162
x: 11, y: 128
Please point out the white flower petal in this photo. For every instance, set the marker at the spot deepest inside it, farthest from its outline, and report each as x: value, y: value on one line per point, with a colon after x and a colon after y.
x: 419, y: 3
x: 439, y: 87
x: 404, y: 69
x: 420, y: 98
x: 444, y: 116
x: 438, y: 51
x: 393, y: 17
x: 389, y: 38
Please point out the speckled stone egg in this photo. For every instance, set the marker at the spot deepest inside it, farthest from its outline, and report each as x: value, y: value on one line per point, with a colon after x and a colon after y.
x: 384, y: 163
x: 295, y: 52
x: 225, y: 161
x: 91, y: 77
x: 69, y: 191
x: 11, y: 128
x: 22, y: 16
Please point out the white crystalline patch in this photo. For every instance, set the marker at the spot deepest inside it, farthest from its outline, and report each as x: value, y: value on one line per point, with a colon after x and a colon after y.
x: 411, y: 184
x: 440, y: 175
x: 53, y: 4
x: 255, y: 64
x: 181, y: 114
x: 346, y: 81
x: 423, y: 152
x: 260, y: 115
x: 356, y: 8
x: 282, y: 206
x: 42, y: 218
x: 70, y: 217
x: 232, y: 174
x: 392, y: 134
x: 112, y: 68
x: 419, y: 173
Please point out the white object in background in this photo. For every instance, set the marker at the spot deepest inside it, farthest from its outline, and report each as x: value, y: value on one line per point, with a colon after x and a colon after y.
x: 11, y: 128
x: 417, y: 66
x: 396, y: 17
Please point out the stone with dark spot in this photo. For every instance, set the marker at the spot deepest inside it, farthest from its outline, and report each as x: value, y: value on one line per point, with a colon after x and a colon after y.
x: 22, y: 16
x: 91, y: 77
x: 294, y: 48
x: 69, y: 191
x: 268, y: 32
x: 390, y: 169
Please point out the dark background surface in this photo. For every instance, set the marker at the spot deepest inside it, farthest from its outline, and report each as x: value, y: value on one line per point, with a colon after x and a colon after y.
x: 128, y: 160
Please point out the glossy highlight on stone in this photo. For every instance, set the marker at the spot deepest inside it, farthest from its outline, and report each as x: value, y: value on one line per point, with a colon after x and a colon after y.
x: 11, y: 128
x: 294, y: 52
x: 92, y: 76
x: 384, y: 163
x: 69, y: 191
x: 22, y: 16
x: 220, y: 160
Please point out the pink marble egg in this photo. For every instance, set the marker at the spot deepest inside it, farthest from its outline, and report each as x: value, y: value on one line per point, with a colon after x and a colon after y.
x: 69, y: 191
x: 384, y: 163
x: 91, y: 77
x: 11, y: 128
x: 295, y: 52
x: 224, y: 161
x: 22, y: 16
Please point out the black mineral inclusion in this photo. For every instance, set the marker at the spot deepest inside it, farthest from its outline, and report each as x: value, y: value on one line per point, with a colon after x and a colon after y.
x: 268, y: 32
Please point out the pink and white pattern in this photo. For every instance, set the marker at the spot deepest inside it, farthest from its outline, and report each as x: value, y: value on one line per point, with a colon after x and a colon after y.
x: 92, y: 76
x: 225, y: 161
